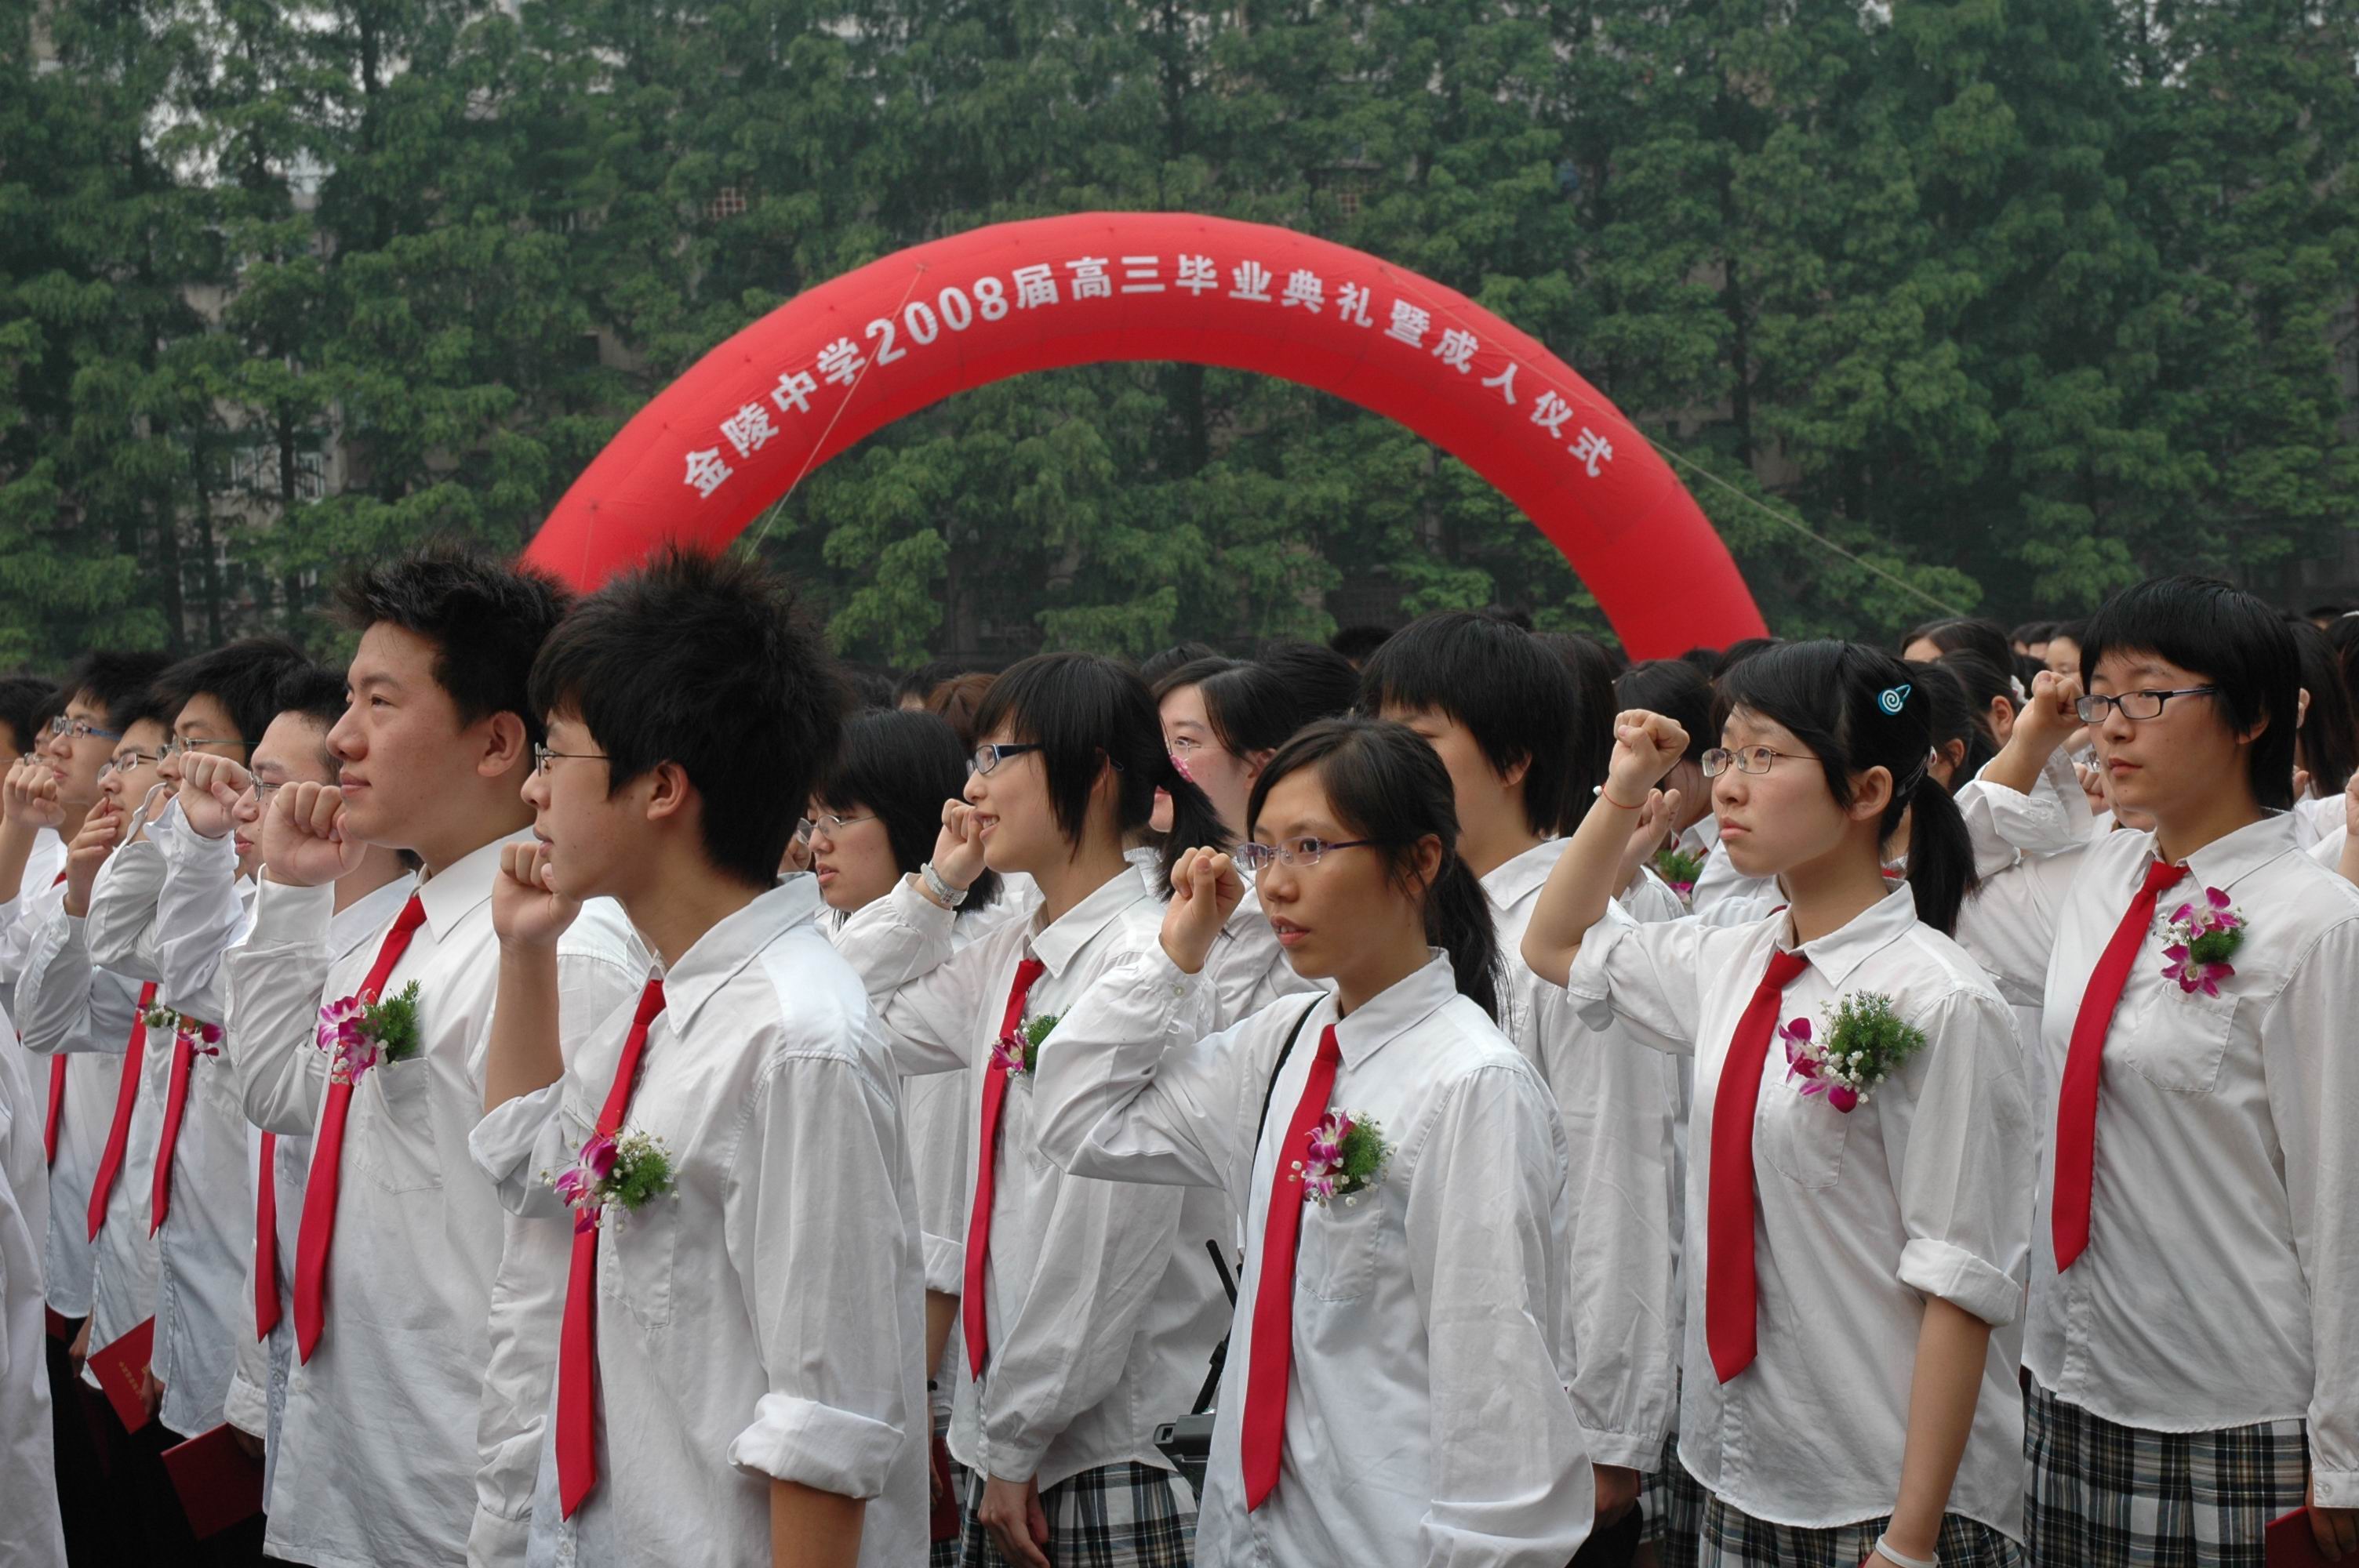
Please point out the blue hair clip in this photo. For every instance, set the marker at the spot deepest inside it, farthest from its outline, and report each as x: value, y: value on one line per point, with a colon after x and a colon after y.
x: 1891, y: 698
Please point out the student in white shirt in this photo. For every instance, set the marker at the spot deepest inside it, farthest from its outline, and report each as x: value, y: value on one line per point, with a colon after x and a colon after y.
x: 2193, y: 1342
x: 1394, y: 1389
x: 1089, y: 1310
x: 873, y: 819
x: 1222, y: 720
x: 1855, y: 1256
x: 1501, y: 713
x: 26, y: 705
x: 425, y: 1332
x: 32, y: 1536
x: 741, y: 1373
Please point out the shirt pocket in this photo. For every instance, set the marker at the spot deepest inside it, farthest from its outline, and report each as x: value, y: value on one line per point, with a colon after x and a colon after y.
x: 2177, y: 1039
x: 390, y: 1129
x: 636, y: 1251
x: 1335, y: 1258
x: 1801, y: 1136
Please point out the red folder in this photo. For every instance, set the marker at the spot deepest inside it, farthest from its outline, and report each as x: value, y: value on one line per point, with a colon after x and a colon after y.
x: 220, y: 1484
x: 119, y: 1367
x: 59, y: 1325
x: 2291, y: 1543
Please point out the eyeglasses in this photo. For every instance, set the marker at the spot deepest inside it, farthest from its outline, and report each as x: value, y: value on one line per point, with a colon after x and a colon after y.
x: 1294, y: 851
x: 1746, y: 760
x: 182, y: 745
x: 263, y: 794
x: 1180, y: 746
x: 542, y: 756
x: 2137, y: 705
x: 830, y: 824
x: 82, y: 729
x: 989, y: 755
x: 123, y: 761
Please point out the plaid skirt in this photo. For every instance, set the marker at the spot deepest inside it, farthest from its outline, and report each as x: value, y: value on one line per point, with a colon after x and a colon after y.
x: 2105, y: 1496
x: 1117, y: 1516
x: 1672, y: 1507
x: 1733, y: 1539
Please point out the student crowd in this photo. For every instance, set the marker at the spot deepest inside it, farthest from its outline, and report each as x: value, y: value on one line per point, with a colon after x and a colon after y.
x: 583, y: 1085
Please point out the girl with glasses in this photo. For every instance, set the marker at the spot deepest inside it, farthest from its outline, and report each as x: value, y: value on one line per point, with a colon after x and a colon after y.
x: 1860, y: 1141
x: 1393, y: 1392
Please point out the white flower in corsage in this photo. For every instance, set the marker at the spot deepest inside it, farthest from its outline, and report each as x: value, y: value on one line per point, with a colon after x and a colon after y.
x: 162, y: 1019
x: 630, y: 1170
x: 1019, y: 1054
x: 1345, y: 1154
x: 357, y: 1035
x: 2202, y: 939
x: 1866, y: 1043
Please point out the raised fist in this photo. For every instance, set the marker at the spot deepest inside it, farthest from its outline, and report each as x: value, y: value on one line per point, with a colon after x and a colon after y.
x: 303, y: 842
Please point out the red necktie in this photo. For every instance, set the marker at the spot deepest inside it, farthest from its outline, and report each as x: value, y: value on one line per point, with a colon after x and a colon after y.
x: 1262, y: 1439
x: 978, y: 1225
x: 318, y: 1228
x: 577, y: 1343
x: 176, y: 1099
x: 1729, y: 1302
x: 2076, y: 1102
x: 265, y: 1239
x: 57, y: 1094
x: 126, y: 1095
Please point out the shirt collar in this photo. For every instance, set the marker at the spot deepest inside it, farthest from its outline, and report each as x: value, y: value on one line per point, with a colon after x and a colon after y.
x: 1392, y: 1014
x: 1511, y: 881
x: 1698, y: 836
x: 458, y: 888
x: 1057, y: 945
x: 1872, y: 930
x: 368, y: 914
x: 2228, y: 859
x: 732, y: 943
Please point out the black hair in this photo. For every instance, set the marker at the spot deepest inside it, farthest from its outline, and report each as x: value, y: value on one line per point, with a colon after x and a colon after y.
x: 2344, y: 637
x: 149, y: 702
x: 1357, y: 642
x: 2031, y: 632
x: 1966, y: 632
x: 315, y: 691
x: 1251, y: 708
x: 2072, y: 631
x: 1385, y: 783
x: 2330, y: 747
x: 26, y: 703
x: 1705, y: 660
x: 114, y: 680
x: 1676, y: 689
x: 1513, y: 697
x: 863, y: 691
x: 1955, y: 716
x: 700, y: 660
x: 1161, y: 662
x: 2230, y: 639
x: 1736, y: 653
x: 900, y: 765
x: 1324, y: 682
x: 245, y: 677
x: 1586, y: 660
x: 1858, y: 708
x: 486, y: 619
x: 2324, y: 611
x: 1086, y: 712
x: 955, y: 701
x: 1982, y: 683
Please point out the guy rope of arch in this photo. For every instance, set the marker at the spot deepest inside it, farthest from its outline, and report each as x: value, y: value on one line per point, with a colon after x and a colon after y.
x: 748, y: 421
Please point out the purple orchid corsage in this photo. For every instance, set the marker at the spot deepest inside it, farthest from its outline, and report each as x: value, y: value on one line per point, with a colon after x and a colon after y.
x: 1867, y: 1041
x: 1345, y: 1154
x: 356, y: 1036
x: 627, y: 1171
x: 2203, y: 937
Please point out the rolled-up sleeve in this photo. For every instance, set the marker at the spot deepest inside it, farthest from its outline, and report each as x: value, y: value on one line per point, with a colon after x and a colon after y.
x: 514, y: 1142
x: 1963, y: 1158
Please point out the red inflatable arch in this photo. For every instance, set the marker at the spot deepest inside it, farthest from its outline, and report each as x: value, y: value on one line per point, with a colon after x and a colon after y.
x: 829, y: 366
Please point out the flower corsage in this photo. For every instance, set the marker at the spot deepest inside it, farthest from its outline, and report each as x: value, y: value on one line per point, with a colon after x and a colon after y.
x: 2203, y: 937
x: 1866, y: 1043
x: 1019, y: 1052
x: 357, y: 1035
x: 1679, y: 869
x: 630, y: 1169
x: 205, y: 1037
x: 1345, y: 1156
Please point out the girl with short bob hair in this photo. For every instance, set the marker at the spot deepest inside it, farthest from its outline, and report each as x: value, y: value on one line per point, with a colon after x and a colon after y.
x: 1392, y: 1394
x: 1861, y: 1137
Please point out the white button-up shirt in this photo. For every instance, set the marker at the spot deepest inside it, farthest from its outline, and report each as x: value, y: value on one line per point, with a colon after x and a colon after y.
x: 90, y: 1079
x: 2219, y: 1286
x: 1426, y: 1415
x: 1102, y: 1303
x: 763, y: 1319
x: 41, y: 868
x: 68, y: 1002
x: 32, y: 1536
x: 1922, y: 1190
x: 427, y: 1386
x: 1619, y: 1102
x: 1719, y: 881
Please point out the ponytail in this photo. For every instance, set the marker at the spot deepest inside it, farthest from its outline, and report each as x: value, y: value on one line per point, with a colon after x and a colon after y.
x: 1458, y: 921
x: 1940, y: 857
x: 1194, y: 823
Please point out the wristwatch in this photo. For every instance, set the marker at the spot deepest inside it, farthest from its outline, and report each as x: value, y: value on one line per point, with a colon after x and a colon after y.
x: 941, y: 891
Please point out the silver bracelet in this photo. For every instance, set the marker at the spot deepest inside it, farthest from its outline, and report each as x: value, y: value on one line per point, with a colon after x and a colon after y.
x: 1883, y: 1550
x: 942, y: 893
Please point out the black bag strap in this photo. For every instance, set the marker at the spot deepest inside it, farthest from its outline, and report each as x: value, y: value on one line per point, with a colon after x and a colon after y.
x: 1271, y: 1088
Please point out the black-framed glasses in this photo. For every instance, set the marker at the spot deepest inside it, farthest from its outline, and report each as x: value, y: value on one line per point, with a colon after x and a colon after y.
x: 1304, y: 851
x: 2135, y: 705
x: 1746, y: 760
x: 990, y: 754
x: 542, y: 756
x: 182, y: 745
x: 82, y: 729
